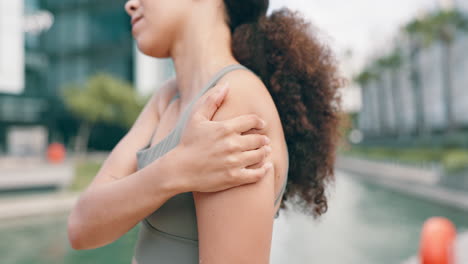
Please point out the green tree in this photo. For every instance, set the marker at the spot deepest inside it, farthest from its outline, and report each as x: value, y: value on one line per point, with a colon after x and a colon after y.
x: 415, y: 30
x: 384, y: 96
x: 443, y: 26
x: 391, y: 64
x: 102, y: 98
x: 363, y: 79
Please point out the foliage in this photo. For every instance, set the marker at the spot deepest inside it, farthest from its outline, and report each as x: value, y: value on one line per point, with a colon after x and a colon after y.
x: 439, y: 25
x: 456, y: 160
x: 103, y: 98
x: 392, y: 60
x: 364, y: 77
x: 85, y: 171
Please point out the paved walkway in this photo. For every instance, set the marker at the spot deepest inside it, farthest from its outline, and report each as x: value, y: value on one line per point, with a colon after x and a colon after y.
x: 36, y: 204
x: 417, y: 182
x: 23, y: 172
x: 387, y: 170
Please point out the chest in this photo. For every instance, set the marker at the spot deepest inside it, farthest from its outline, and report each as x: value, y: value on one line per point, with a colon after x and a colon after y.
x: 167, y: 123
x: 176, y: 218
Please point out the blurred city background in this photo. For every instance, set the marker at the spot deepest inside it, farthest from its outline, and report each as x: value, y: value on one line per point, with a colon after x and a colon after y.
x: 72, y: 82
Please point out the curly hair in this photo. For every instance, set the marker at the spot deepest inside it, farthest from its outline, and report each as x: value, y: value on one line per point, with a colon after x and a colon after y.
x: 302, y: 76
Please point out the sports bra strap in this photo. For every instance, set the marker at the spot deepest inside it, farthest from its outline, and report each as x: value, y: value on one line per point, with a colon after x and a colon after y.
x: 210, y: 84
x: 186, y: 112
x: 278, y: 196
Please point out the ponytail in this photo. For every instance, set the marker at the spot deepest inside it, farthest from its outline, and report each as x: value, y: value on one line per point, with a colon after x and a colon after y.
x: 302, y: 76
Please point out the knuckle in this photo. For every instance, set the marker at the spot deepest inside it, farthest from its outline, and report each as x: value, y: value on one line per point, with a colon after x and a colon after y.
x: 261, y: 154
x: 226, y: 146
x: 232, y: 146
x: 236, y: 146
x: 231, y: 174
x: 257, y: 119
x: 223, y: 129
x: 261, y: 140
x: 266, y: 150
x: 232, y: 161
x: 260, y: 174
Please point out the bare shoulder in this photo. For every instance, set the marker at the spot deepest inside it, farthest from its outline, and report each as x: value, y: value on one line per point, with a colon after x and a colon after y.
x: 244, y: 213
x: 248, y: 89
x: 248, y: 94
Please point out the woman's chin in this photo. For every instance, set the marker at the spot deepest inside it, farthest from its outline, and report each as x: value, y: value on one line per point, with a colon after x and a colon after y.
x: 150, y: 49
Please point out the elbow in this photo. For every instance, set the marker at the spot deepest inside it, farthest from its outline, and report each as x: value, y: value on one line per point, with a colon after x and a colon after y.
x: 78, y: 229
x: 77, y: 233
x: 73, y: 231
x: 83, y: 236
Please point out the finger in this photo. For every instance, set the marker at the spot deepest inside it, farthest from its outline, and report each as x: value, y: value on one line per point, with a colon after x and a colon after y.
x: 253, y: 131
x: 212, y: 101
x: 251, y: 157
x: 245, y: 123
x: 254, y: 175
x: 252, y: 141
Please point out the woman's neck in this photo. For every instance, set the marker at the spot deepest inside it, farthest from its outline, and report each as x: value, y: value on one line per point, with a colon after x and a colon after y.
x: 201, y: 49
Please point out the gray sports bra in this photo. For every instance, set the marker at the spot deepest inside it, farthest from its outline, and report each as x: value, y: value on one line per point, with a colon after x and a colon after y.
x: 169, y: 235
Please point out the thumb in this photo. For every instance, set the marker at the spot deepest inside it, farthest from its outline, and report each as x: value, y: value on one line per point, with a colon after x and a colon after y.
x: 212, y: 102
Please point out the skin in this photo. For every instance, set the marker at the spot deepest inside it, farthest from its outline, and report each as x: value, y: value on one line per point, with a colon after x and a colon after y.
x: 195, y: 35
x: 106, y: 210
x: 235, y: 225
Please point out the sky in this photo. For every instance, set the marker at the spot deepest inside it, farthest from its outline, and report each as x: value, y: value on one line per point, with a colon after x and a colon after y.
x: 362, y: 26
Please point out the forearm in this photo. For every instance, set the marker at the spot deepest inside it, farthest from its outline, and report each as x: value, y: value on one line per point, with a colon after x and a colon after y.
x: 106, y: 212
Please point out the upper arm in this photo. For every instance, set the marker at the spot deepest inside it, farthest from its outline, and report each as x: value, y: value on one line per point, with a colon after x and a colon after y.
x: 235, y: 225
x: 121, y: 161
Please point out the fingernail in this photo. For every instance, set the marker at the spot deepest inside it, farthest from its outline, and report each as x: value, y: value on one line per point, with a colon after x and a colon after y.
x: 263, y: 124
x: 267, y: 140
x: 269, y: 165
x: 268, y: 149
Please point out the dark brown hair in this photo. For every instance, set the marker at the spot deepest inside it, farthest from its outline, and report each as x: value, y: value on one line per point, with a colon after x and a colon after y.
x: 302, y: 76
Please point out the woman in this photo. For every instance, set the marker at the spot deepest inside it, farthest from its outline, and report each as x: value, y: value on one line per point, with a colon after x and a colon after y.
x: 277, y: 70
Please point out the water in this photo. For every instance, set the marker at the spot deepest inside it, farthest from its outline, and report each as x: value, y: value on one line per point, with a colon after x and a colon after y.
x: 44, y: 240
x: 365, y: 224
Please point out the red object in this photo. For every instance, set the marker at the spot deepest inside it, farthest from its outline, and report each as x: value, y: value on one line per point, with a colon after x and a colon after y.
x: 55, y: 152
x: 437, y: 241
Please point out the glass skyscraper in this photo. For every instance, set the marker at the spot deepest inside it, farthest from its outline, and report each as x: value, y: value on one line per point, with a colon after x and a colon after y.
x: 86, y: 37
